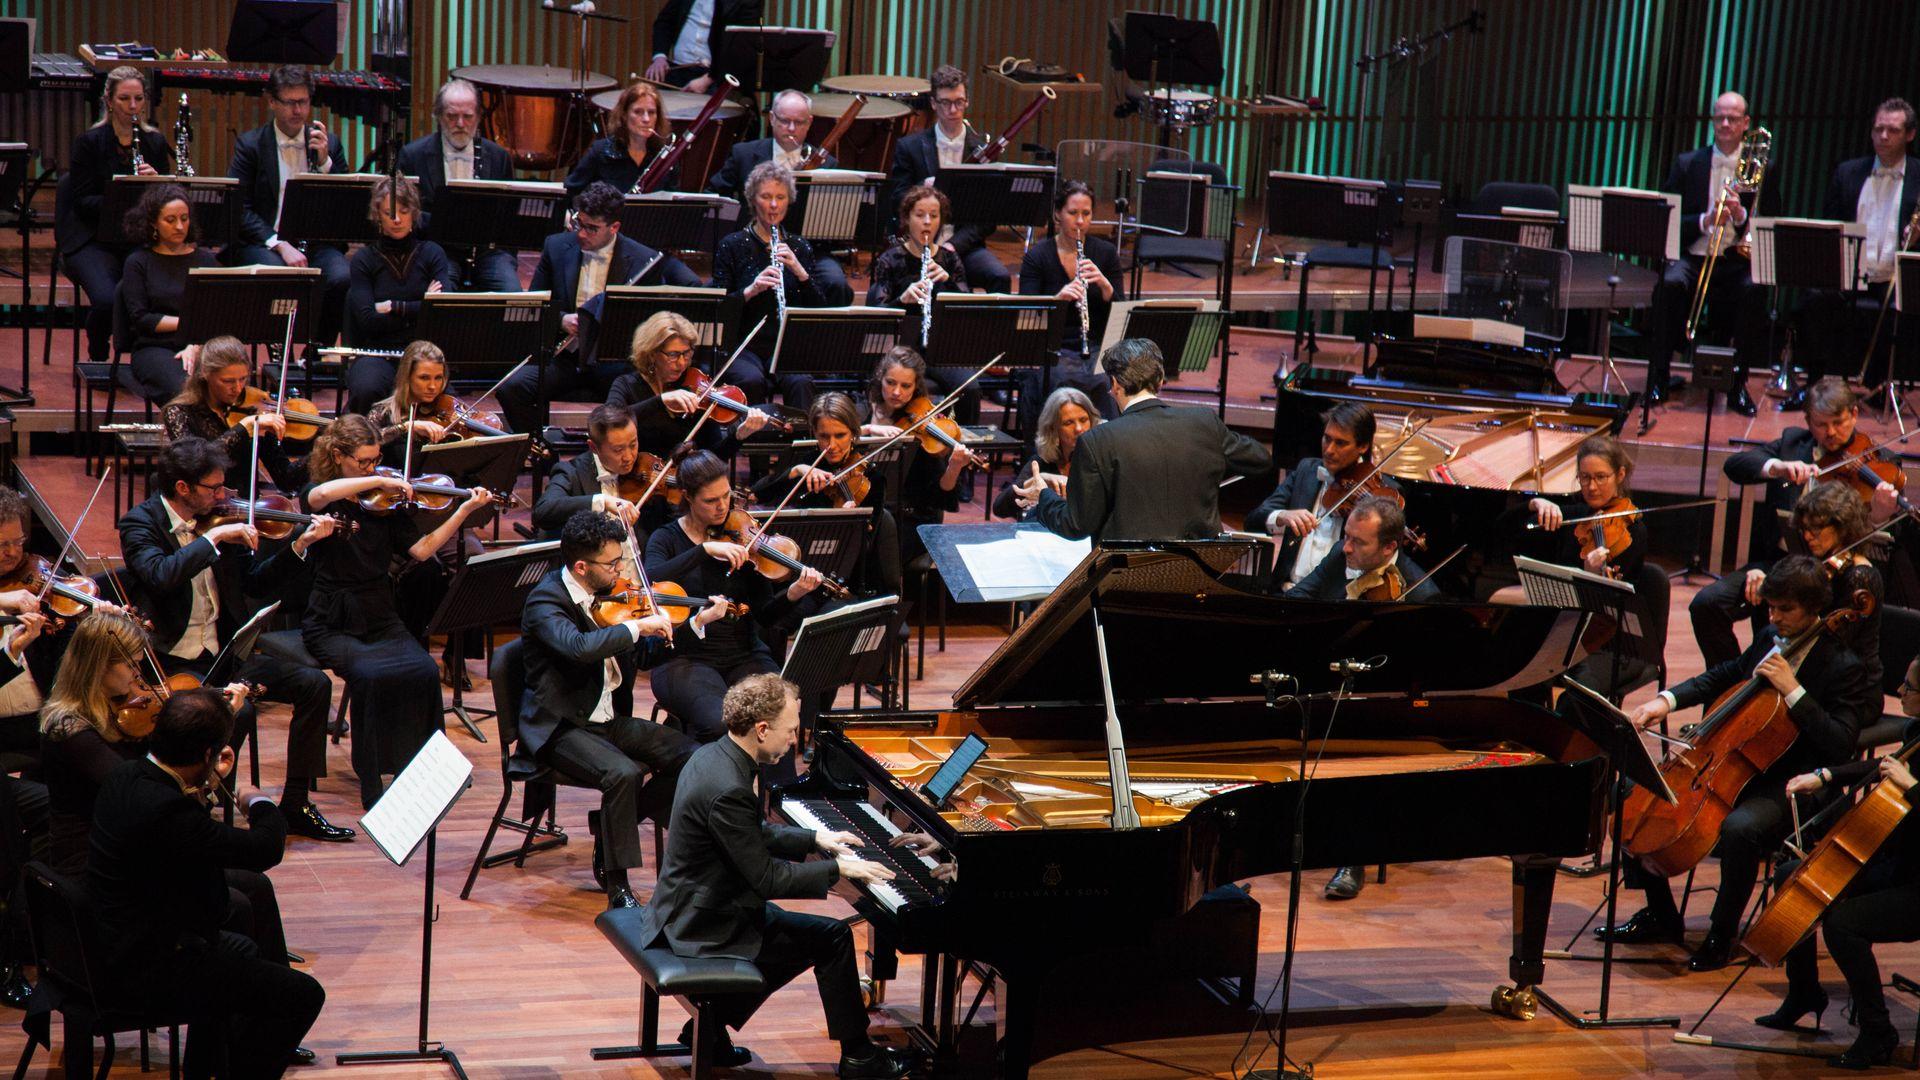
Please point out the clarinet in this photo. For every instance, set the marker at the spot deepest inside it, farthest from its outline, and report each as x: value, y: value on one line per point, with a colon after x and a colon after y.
x: 183, y: 139
x: 137, y: 159
x: 1079, y: 261
x: 926, y: 294
x: 780, y: 280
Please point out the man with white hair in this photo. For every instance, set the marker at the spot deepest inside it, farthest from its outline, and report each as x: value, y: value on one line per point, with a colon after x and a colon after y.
x: 456, y: 151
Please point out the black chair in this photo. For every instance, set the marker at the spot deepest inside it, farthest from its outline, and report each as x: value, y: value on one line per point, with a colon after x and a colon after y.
x: 66, y: 950
x: 695, y: 982
x: 508, y: 671
x: 1186, y: 215
x: 1899, y: 644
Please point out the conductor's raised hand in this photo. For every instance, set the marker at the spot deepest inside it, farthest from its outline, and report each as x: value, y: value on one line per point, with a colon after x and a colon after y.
x: 1027, y: 491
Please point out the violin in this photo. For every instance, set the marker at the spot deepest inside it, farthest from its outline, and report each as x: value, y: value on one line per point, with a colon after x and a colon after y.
x: 1384, y: 584
x: 463, y: 422
x: 645, y: 474
x: 728, y: 402
x: 304, y: 418
x: 276, y: 517
x: 1865, y: 474
x: 941, y: 436
x: 1741, y: 736
x: 68, y: 597
x: 856, y: 485
x: 627, y: 601
x: 431, y: 492
x: 776, y: 557
x: 1362, y: 480
x: 134, y: 713
x: 1610, y: 533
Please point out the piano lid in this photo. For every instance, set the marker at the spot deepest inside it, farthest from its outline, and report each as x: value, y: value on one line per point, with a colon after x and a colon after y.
x: 1175, y: 631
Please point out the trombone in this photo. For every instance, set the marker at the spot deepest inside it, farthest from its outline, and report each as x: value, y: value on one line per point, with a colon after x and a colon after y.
x: 1749, y: 174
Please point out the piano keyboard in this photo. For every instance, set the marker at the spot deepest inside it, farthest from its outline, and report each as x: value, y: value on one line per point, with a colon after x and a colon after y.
x: 913, y: 881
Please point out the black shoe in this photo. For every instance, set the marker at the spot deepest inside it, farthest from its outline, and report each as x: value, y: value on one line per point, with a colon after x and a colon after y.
x: 1656, y: 395
x: 1714, y: 953
x: 725, y: 1054
x: 619, y: 896
x: 1347, y: 882
x: 1741, y: 402
x: 15, y: 990
x: 307, y: 820
x: 300, y: 1056
x: 1875, y: 1046
x: 1643, y: 928
x: 879, y: 1061
x: 1787, y: 1016
x: 1795, y: 401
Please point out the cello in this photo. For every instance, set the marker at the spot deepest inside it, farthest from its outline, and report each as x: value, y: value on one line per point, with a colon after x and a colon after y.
x: 1743, y: 733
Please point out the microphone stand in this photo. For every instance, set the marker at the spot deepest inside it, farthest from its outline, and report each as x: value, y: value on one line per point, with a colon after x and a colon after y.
x: 579, y: 118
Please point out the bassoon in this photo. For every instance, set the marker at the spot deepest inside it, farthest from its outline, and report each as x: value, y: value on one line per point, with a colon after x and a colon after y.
x: 669, y: 156
x: 991, y: 150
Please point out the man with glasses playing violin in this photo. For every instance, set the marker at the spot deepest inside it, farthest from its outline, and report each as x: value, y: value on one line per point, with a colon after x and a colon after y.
x: 576, y: 668
x: 193, y: 582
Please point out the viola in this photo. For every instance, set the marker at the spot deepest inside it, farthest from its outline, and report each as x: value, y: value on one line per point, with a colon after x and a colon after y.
x: 776, y: 557
x: 1610, y: 533
x: 68, y: 597
x: 1388, y: 587
x: 628, y: 601
x: 431, y: 492
x: 941, y: 436
x: 729, y: 402
x: 463, y: 422
x: 304, y: 418
x: 646, y: 474
x: 1742, y: 735
x: 276, y: 517
x: 134, y: 713
x: 1865, y: 474
x: 856, y: 485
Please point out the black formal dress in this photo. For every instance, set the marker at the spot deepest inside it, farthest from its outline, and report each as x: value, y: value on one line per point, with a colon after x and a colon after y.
x: 152, y: 287
x: 741, y: 257
x: 75, y: 760
x: 724, y: 866
x: 633, y: 762
x: 1836, y: 325
x: 155, y: 873
x: 1152, y: 474
x: 95, y: 159
x: 181, y: 419
x: 730, y: 180
x: 607, y: 162
x: 1042, y: 275
x: 921, y: 501
x: 1328, y: 581
x: 692, y: 681
x: 353, y: 627
x: 1599, y: 671
x: 161, y: 579
x: 256, y: 164
x: 488, y: 270
x: 879, y: 567
x: 581, y: 373
x: 396, y: 271
x: 893, y: 273
x: 916, y: 160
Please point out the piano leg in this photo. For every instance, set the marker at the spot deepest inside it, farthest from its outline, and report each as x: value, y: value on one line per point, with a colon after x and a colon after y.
x: 1016, y: 1027
x: 1532, y: 907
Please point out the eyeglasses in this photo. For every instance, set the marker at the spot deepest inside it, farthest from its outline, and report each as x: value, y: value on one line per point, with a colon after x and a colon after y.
x: 606, y: 563
x: 13, y: 545
x: 676, y: 354
x: 950, y: 103
x: 1590, y: 479
x: 293, y: 103
x: 366, y: 462
x: 222, y: 486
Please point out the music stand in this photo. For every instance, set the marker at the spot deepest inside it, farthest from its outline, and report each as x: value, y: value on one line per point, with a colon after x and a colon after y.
x: 251, y: 303
x: 491, y: 461
x: 1188, y: 333
x: 1514, y: 283
x: 838, y: 206
x: 1805, y: 253
x: 411, y: 810
x: 839, y: 342
x: 283, y: 32
x: 773, y: 58
x: 714, y: 313
x: 845, y: 646
x: 517, y: 215
x: 675, y: 221
x: 485, y: 334
x: 831, y: 540
x: 214, y: 199
x: 1625, y: 223
x: 327, y: 208
x: 998, y: 193
x: 487, y: 590
x: 1161, y: 49
x: 1340, y: 209
x: 15, y: 171
x: 1510, y: 224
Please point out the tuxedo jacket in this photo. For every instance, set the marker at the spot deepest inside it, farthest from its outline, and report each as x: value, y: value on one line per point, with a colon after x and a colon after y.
x: 724, y: 861
x: 559, y: 268
x: 1328, y: 581
x: 731, y: 179
x: 256, y: 164
x: 1843, y: 192
x: 915, y: 158
x: 160, y: 573
x: 1297, y: 492
x: 1839, y: 699
x: 570, y: 489
x: 1692, y: 174
x: 421, y: 158
x: 565, y: 658
x: 92, y: 164
x: 673, y: 16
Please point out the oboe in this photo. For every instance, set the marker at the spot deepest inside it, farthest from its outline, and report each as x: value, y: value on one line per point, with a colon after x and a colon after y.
x: 926, y: 294
x: 780, y: 278
x: 1080, y: 275
x: 183, y: 139
x: 137, y: 159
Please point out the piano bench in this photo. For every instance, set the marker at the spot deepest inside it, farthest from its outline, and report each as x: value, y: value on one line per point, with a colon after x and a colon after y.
x: 695, y: 982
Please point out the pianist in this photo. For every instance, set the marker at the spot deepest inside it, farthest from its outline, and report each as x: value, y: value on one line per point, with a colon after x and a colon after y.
x: 724, y: 864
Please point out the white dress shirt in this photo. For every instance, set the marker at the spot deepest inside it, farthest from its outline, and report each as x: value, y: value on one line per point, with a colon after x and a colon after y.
x: 793, y: 158
x: 693, y: 46
x: 610, y: 667
x: 952, y: 151
x: 1779, y: 647
x: 293, y: 161
x: 1723, y: 168
x: 593, y: 275
x: 457, y: 163
x: 1316, y: 545
x: 201, y: 634
x: 1879, y: 210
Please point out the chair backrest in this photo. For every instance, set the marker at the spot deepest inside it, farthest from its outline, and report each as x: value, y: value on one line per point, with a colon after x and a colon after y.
x: 60, y: 922
x: 1498, y: 193
x: 508, y: 670
x: 1195, y: 201
x: 1899, y: 644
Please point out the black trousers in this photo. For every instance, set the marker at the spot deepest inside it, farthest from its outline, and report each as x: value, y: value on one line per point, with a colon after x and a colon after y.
x: 493, y: 270
x: 154, y: 372
x: 96, y: 268
x: 985, y: 271
x: 1753, y: 830
x: 790, y: 943
x: 691, y: 689
x: 307, y: 689
x: 749, y: 373
x: 369, y: 379
x: 1883, y: 904
x: 1836, y: 327
x: 617, y: 757
x: 832, y: 280
x: 245, y: 1014
x: 1734, y: 303
x: 1716, y: 609
x: 331, y: 262
x: 524, y: 398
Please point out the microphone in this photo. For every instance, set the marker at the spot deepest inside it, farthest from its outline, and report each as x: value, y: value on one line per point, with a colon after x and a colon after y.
x: 1351, y: 666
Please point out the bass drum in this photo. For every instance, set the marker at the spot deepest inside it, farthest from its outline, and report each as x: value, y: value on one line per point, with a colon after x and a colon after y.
x: 709, y: 150
x: 529, y: 110
x: 868, y: 142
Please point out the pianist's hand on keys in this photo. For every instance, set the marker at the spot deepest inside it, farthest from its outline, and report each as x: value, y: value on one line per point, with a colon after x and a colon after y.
x: 837, y: 844
x: 857, y: 869
x: 923, y: 844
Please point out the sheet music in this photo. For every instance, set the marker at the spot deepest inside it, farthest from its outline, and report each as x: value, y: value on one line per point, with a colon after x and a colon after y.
x: 418, y: 798
x: 833, y: 207
x: 1026, y: 566
x: 1122, y: 311
x: 1583, y: 218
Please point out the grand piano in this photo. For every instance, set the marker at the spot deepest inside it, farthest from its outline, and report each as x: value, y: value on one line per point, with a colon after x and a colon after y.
x: 1143, y: 674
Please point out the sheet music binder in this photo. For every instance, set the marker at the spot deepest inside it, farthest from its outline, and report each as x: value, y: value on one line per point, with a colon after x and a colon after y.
x: 1623, y: 221
x: 970, y: 328
x: 1554, y: 585
x: 999, y: 193
x: 837, y: 204
x: 419, y: 799
x: 489, y: 589
x: 485, y: 334
x: 845, y: 645
x: 215, y: 201
x: 831, y: 541
x: 491, y: 461
x: 1346, y: 209
x: 715, y: 314
x: 251, y: 302
x: 517, y: 215
x: 834, y: 341
x: 328, y: 208
x: 1187, y: 331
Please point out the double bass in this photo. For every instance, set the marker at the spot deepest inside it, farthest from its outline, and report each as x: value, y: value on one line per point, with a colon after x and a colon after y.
x: 1742, y: 735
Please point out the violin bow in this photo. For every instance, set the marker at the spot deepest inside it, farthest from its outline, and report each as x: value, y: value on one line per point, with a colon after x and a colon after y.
x: 406, y: 454
x: 1437, y: 567
x: 1630, y: 513
x: 715, y: 381
x: 146, y: 640
x: 794, y: 490
x: 1408, y: 432
x: 944, y: 404
x: 54, y: 567
x: 463, y: 410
